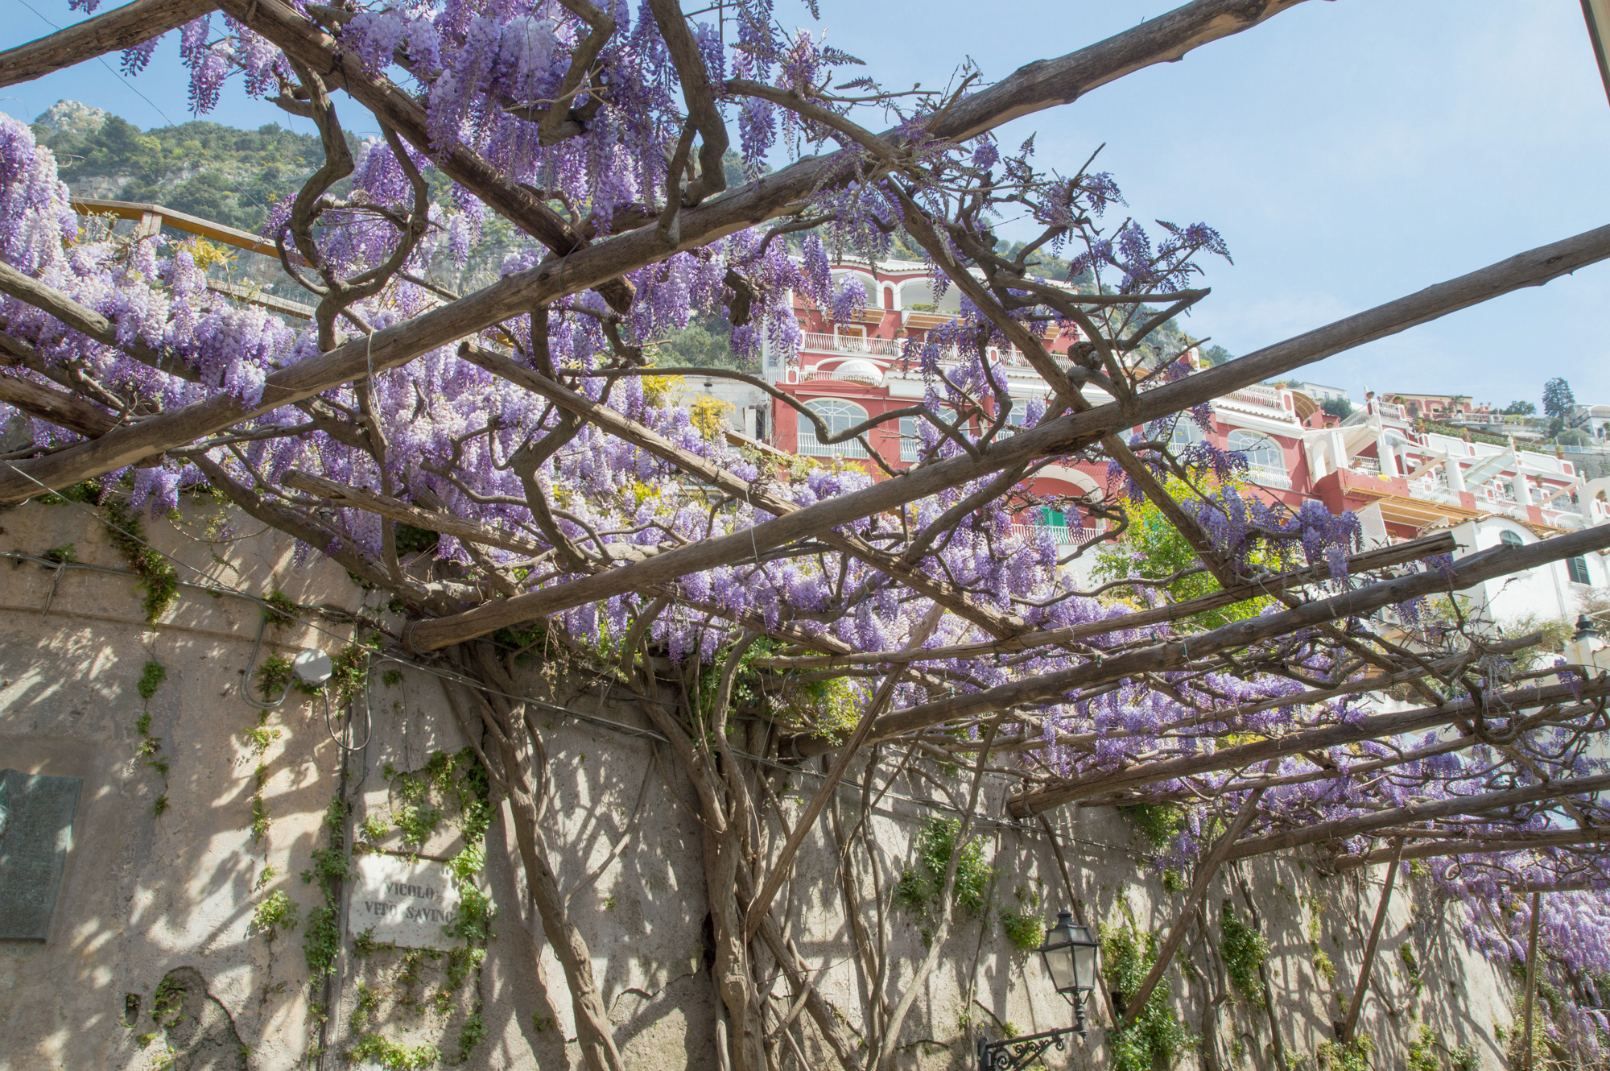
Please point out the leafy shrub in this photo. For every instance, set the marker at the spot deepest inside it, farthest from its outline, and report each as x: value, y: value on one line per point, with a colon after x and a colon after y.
x: 1354, y: 1055
x: 1423, y: 1052
x: 1157, y: 1035
x: 919, y: 887
x: 277, y: 912
x: 1244, y: 950
x: 1024, y: 929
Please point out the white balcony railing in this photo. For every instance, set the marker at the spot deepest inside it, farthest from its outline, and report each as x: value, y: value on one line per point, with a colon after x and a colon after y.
x: 1365, y: 466
x: 1060, y: 534
x: 880, y: 347
x: 1258, y: 394
x: 1267, y: 477
x: 810, y: 446
x: 847, y: 375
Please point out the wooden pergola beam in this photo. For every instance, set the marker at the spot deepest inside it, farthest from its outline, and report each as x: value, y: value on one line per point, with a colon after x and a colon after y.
x: 111, y: 31
x: 1564, y: 838
x: 1479, y: 803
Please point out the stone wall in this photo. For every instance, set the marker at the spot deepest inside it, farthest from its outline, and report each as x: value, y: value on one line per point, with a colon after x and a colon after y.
x: 183, y: 926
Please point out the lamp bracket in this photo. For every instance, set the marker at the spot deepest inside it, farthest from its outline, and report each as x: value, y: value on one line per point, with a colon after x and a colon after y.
x: 1013, y: 1054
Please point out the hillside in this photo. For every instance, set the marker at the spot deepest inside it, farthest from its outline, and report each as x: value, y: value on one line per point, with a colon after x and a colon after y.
x: 206, y: 169
x: 235, y: 176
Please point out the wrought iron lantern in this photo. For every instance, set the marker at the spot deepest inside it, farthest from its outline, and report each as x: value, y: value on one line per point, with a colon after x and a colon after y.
x: 1069, y: 955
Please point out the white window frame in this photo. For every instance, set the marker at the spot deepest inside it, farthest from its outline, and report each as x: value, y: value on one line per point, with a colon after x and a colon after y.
x: 1258, y: 449
x: 1187, y: 432
x: 839, y: 414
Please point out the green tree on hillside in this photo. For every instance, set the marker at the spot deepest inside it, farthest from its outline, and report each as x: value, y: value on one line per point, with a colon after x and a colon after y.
x: 1340, y: 408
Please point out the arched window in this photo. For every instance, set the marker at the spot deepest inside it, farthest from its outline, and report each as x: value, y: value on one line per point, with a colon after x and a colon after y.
x: 1510, y: 539
x: 1263, y: 456
x: 839, y: 415
x: 1187, y: 432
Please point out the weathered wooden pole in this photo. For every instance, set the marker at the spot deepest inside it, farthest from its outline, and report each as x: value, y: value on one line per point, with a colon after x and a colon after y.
x: 1363, y: 985
x: 779, y: 872
x: 1531, y: 976
x: 1204, y: 876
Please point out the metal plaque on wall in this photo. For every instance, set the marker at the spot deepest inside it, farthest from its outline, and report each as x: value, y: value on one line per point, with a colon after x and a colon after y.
x: 36, y: 831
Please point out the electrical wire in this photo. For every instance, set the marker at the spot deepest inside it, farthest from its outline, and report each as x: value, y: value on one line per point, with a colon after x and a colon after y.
x: 251, y: 664
x: 209, y: 585
x: 103, y: 63
x: 368, y: 724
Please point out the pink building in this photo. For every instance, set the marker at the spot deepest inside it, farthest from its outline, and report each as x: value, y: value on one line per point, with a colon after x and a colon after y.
x: 1401, y: 481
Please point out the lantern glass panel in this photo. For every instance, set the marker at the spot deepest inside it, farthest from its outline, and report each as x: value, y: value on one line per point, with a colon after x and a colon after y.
x: 1058, y: 953
x: 1084, y: 959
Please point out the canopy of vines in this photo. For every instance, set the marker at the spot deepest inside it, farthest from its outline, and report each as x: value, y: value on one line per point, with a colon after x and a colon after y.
x: 809, y: 608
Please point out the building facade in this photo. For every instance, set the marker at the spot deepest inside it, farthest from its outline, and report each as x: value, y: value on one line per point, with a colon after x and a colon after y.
x: 1400, y: 480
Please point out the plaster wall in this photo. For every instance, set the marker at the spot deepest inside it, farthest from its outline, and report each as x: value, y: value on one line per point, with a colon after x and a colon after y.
x: 173, y: 895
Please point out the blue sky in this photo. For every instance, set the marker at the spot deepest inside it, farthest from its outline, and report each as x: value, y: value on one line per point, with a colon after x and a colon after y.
x: 1349, y: 151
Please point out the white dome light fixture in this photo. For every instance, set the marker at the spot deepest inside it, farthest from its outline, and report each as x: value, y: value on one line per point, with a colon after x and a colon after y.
x: 312, y: 666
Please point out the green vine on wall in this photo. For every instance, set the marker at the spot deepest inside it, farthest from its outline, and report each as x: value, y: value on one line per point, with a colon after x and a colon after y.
x: 1316, y: 930
x: 1244, y: 950
x: 350, y: 666
x: 276, y: 912
x: 159, y: 579
x: 1158, y: 823
x: 1025, y: 923
x: 919, y: 887
x: 280, y: 611
x: 452, y: 789
x: 392, y: 1056
x: 149, y: 748
x: 1411, y: 968
x: 321, y: 941
x: 259, y: 737
x: 1157, y: 1036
